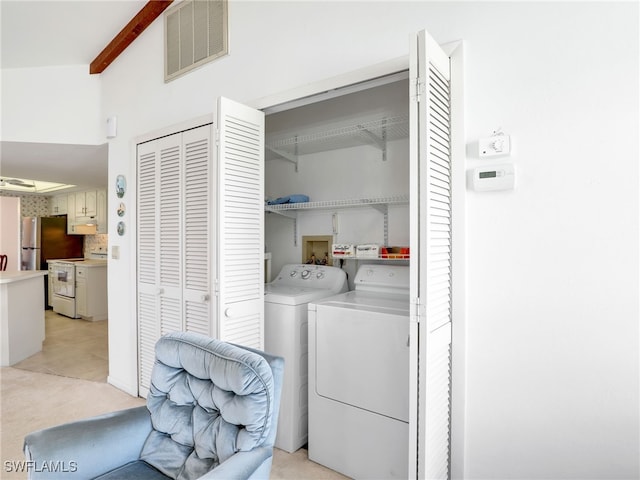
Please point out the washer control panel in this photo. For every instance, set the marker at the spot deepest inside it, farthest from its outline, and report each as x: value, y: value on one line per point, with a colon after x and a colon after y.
x: 314, y: 276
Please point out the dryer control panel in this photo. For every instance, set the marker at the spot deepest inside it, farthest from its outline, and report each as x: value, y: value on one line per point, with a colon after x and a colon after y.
x: 392, y: 279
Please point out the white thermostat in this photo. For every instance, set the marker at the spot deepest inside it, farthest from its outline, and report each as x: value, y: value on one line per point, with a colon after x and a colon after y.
x: 496, y: 177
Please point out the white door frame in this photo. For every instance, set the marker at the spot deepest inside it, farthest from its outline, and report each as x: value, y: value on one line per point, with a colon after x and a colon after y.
x: 351, y: 80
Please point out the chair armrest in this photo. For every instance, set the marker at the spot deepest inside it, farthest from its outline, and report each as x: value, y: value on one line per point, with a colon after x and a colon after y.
x: 89, y: 447
x: 242, y: 465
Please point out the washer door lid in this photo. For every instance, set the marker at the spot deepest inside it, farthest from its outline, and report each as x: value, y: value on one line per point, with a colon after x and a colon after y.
x: 288, y: 295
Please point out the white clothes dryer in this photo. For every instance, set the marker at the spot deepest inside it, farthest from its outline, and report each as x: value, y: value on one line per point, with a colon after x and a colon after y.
x: 286, y: 335
x: 359, y: 376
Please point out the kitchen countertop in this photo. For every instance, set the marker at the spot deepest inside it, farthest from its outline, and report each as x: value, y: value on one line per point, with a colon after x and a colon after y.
x: 91, y: 262
x: 18, y: 276
x: 83, y: 262
x: 21, y: 315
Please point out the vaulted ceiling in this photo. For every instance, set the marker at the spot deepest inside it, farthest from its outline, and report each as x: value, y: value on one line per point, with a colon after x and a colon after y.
x: 55, y: 33
x: 50, y: 32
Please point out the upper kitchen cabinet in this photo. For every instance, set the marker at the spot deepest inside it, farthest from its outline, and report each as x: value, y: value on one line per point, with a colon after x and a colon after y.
x: 101, y: 214
x: 58, y: 205
x: 85, y: 209
x: 86, y: 204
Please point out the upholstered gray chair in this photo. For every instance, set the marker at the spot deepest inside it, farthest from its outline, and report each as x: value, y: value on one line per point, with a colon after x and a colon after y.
x: 211, y: 413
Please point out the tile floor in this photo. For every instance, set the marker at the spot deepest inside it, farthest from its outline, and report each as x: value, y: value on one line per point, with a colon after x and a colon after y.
x: 73, y: 348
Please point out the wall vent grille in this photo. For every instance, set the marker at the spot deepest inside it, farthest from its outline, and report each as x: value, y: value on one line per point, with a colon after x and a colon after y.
x: 195, y: 34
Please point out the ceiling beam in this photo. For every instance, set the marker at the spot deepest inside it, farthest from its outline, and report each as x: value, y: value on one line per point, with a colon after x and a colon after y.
x: 128, y: 34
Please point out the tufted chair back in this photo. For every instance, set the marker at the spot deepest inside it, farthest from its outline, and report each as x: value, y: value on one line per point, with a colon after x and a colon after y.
x: 208, y: 400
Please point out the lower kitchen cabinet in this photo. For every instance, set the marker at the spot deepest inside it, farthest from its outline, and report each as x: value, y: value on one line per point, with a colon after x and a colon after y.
x: 91, y: 292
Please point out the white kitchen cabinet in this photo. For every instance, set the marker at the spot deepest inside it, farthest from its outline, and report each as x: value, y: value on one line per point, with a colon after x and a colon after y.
x: 85, y: 207
x: 21, y: 315
x: 91, y: 291
x: 81, y: 291
x: 71, y: 213
x: 200, y: 233
x: 58, y: 205
x: 50, y: 269
x: 86, y: 204
x: 101, y: 211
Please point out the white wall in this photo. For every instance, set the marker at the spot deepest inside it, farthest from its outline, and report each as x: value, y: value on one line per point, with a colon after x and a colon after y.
x: 357, y: 172
x: 552, y: 267
x: 51, y: 105
x: 10, y: 232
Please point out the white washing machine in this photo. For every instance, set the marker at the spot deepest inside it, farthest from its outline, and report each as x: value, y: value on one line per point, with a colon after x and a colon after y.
x: 285, y: 317
x: 359, y: 376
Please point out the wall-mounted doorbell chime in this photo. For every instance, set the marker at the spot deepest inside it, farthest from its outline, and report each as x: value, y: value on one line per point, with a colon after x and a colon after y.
x: 112, y: 127
x: 493, y: 177
x: 497, y: 145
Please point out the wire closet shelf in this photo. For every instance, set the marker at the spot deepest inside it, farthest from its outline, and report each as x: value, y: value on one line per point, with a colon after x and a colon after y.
x: 376, y: 132
x: 347, y: 203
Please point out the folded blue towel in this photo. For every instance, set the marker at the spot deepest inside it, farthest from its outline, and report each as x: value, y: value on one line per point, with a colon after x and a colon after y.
x: 296, y: 198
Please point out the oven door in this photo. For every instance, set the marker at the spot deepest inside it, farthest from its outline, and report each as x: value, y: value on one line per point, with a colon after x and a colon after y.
x: 63, y: 280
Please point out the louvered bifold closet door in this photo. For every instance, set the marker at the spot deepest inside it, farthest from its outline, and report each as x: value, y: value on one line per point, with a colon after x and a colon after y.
x: 197, y: 223
x: 433, y: 288
x: 159, y: 243
x: 147, y: 267
x: 170, y: 233
x: 240, y: 224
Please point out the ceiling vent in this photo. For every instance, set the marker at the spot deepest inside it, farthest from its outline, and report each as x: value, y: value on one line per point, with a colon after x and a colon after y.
x: 195, y: 34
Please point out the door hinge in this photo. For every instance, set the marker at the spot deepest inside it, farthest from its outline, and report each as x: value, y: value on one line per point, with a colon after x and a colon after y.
x: 414, y: 310
x: 417, y: 89
x: 217, y: 137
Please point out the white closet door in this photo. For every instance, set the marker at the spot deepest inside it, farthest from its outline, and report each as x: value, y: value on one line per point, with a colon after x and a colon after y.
x: 240, y: 224
x: 158, y: 249
x: 197, y: 224
x: 174, y: 240
x: 431, y: 270
x: 170, y: 233
x: 148, y: 305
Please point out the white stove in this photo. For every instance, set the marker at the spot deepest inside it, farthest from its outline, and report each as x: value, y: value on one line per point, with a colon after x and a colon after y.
x: 63, y: 281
